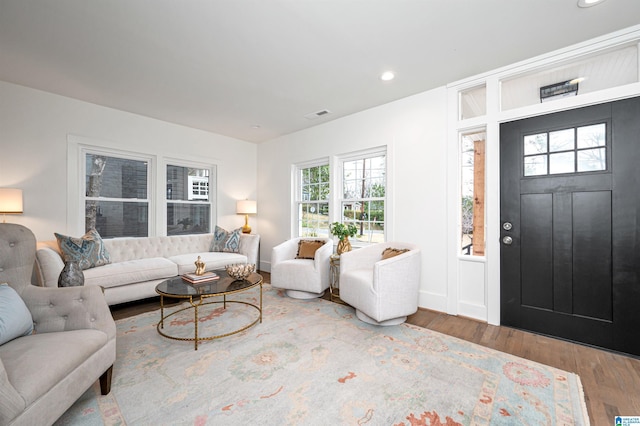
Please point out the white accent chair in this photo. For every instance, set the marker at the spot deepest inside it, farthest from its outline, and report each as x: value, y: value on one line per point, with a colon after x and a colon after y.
x: 383, y: 292
x: 301, y: 278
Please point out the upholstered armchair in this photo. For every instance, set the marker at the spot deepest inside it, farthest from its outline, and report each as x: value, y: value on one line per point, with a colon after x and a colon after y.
x: 301, y: 266
x: 381, y: 281
x: 73, y: 342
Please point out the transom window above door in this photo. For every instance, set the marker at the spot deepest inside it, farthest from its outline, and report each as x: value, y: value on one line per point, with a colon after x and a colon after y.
x: 573, y: 150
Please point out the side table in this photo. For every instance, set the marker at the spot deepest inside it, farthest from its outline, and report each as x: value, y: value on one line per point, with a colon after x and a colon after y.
x: 334, y: 278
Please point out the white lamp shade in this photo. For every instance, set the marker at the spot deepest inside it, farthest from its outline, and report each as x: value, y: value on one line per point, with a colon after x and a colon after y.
x: 246, y: 207
x: 10, y: 201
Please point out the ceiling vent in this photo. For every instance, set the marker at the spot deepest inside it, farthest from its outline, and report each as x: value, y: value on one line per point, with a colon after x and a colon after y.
x: 317, y: 114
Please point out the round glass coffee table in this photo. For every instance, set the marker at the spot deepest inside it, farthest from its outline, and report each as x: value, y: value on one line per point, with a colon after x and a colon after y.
x: 198, y: 295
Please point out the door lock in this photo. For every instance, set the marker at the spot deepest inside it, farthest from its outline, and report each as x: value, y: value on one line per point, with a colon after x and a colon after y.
x: 507, y: 240
x: 507, y: 226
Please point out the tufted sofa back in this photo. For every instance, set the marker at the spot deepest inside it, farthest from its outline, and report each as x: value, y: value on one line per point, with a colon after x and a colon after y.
x: 17, y: 255
x: 123, y: 249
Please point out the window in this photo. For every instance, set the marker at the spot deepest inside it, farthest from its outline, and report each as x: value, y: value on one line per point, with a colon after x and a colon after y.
x: 312, y: 199
x: 472, y: 191
x: 364, y: 194
x: 116, y: 194
x: 573, y: 150
x: 188, y: 200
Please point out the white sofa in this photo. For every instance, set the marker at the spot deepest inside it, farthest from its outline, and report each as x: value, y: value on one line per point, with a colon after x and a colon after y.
x: 139, y: 264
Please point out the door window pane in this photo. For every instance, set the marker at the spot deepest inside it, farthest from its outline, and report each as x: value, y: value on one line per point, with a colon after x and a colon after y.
x: 535, y: 144
x: 562, y: 163
x: 535, y: 165
x: 562, y: 140
x: 591, y: 136
x: 591, y: 160
x: 579, y: 149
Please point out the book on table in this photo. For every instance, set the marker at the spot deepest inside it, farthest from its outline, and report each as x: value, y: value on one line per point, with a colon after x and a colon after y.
x: 204, y: 278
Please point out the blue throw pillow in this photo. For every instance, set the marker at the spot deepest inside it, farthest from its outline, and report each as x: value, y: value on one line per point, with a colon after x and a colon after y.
x: 232, y: 245
x: 15, y: 318
x: 226, y: 241
x: 219, y: 237
x: 89, y: 250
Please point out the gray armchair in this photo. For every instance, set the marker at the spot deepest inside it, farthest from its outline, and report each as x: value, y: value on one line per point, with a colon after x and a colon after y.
x: 73, y: 343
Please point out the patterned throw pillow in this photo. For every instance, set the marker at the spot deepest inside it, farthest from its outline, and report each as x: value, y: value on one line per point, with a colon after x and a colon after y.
x: 307, y: 248
x: 219, y: 237
x: 88, y: 250
x: 226, y: 241
x: 232, y: 245
x: 391, y: 252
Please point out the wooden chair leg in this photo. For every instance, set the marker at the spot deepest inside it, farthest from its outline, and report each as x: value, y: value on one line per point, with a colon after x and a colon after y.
x: 105, y: 381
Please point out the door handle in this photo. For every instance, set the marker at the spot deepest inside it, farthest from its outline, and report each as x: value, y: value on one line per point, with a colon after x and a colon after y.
x: 507, y: 240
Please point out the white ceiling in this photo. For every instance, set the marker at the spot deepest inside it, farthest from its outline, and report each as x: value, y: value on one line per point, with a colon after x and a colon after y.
x: 228, y: 65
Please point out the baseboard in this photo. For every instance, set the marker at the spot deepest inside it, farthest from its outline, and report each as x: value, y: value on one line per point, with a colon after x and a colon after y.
x: 471, y: 310
x: 433, y: 301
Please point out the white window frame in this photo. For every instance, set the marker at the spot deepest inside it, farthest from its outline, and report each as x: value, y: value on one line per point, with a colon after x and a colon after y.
x: 339, y: 188
x: 212, y: 168
x: 83, y: 151
x: 297, y: 191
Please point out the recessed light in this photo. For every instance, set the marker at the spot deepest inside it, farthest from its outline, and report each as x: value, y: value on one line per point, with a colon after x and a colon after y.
x: 387, y: 76
x: 588, y: 3
x: 255, y: 126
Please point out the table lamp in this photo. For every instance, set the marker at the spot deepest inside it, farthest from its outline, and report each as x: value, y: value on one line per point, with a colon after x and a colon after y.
x: 10, y: 202
x: 246, y: 207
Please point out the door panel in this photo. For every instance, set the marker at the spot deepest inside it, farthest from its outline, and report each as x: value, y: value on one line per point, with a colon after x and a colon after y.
x: 573, y: 267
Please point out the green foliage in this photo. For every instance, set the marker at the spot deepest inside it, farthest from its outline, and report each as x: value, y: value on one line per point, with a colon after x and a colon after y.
x: 341, y: 230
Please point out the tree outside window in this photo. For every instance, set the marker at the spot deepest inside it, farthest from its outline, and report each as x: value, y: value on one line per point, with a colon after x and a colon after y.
x: 313, y: 201
x: 116, y: 195
x: 364, y: 196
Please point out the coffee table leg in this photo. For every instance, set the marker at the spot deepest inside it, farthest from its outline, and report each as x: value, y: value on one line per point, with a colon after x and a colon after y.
x: 161, y: 311
x: 195, y: 310
x: 261, y: 303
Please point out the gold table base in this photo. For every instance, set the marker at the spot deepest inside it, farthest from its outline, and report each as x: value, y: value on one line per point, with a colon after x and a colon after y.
x: 201, y: 302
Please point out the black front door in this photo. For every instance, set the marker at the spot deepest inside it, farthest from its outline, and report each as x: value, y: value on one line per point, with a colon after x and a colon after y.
x: 570, y: 225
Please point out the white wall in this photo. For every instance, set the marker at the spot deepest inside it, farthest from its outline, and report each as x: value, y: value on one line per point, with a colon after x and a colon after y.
x: 34, y: 127
x: 414, y: 130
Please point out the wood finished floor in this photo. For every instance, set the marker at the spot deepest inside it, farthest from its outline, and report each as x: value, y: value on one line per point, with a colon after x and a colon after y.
x: 611, y: 381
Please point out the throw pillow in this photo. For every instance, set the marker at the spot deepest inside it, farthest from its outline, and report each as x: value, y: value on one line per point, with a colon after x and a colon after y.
x: 219, y: 237
x: 391, y: 252
x: 226, y: 241
x: 307, y: 248
x: 15, y: 318
x: 232, y: 244
x: 89, y: 250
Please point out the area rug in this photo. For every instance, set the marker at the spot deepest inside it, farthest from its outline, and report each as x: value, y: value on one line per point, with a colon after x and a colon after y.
x: 314, y: 363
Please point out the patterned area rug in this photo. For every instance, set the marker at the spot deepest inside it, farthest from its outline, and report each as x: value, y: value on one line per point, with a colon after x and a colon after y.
x: 314, y: 363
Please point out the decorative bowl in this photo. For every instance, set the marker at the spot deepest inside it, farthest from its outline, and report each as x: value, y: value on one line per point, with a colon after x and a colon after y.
x: 240, y: 271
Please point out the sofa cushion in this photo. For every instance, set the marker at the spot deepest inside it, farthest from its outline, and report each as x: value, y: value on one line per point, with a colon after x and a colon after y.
x: 15, y: 318
x: 131, y: 271
x: 88, y: 250
x: 211, y: 260
x: 60, y: 352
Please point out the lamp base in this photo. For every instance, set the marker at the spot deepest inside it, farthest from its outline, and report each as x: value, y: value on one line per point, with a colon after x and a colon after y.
x: 246, y: 229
